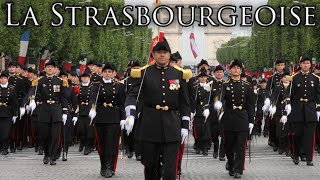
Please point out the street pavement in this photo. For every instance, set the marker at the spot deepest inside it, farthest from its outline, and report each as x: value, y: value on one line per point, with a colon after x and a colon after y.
x: 265, y: 164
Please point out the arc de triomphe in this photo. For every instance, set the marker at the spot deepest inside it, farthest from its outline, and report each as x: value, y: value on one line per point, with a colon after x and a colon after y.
x: 214, y: 36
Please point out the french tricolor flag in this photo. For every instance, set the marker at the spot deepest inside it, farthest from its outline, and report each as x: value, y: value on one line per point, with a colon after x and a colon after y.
x: 193, y: 45
x: 24, y: 42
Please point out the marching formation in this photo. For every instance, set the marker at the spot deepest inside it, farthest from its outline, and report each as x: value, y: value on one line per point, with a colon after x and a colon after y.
x: 152, y: 109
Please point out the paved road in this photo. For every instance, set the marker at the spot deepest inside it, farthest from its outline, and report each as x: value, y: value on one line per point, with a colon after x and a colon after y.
x: 265, y: 164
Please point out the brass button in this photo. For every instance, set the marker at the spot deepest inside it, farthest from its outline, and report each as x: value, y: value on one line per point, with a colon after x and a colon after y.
x: 163, y: 87
x: 163, y: 80
x: 164, y: 101
x: 162, y: 72
x: 164, y: 94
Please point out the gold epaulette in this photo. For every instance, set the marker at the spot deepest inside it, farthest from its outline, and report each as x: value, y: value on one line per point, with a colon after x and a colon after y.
x: 187, y: 73
x: 136, y: 73
x: 246, y: 82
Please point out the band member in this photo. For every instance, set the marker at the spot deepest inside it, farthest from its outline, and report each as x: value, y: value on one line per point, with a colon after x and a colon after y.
x: 202, y: 129
x: 305, y: 99
x: 51, y: 91
x: 317, y: 146
x: 237, y: 119
x: 107, y: 101
x: 164, y: 92
x: 85, y: 131
x: 8, y: 110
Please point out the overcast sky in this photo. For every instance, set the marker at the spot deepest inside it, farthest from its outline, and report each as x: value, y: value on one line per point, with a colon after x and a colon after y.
x: 199, y: 31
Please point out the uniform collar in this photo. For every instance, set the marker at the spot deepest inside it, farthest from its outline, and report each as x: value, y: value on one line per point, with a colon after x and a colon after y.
x: 4, y: 86
x: 85, y: 84
x: 107, y: 80
x: 50, y: 77
x: 304, y: 73
x: 235, y: 80
x: 162, y: 67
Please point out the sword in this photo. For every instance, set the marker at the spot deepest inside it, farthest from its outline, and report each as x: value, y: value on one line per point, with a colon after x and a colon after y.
x: 95, y: 103
x: 211, y: 83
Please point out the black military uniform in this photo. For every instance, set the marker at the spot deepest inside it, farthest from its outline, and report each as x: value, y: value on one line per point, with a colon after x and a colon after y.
x: 108, y: 98
x: 238, y: 99
x: 164, y: 92
x: 8, y: 109
x: 317, y: 146
x: 94, y: 77
x: 51, y: 91
x: 215, y: 126
x: 305, y: 99
x: 280, y: 98
x: 261, y: 97
x: 201, y: 127
x: 85, y: 131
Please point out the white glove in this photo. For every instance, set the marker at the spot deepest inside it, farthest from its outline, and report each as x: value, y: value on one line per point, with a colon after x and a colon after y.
x: 74, y: 120
x: 92, y: 113
x: 284, y: 119
x: 221, y: 115
x: 32, y: 105
x: 250, y: 127
x: 64, y: 118
x: 14, y: 119
x: 122, y: 124
x: 266, y: 105
x: 206, y: 113
x: 272, y: 110
x: 288, y: 109
x: 28, y: 109
x: 192, y: 115
x: 255, y: 109
x: 318, y: 115
x: 184, y: 135
x: 22, y: 112
x: 217, y: 105
x: 129, y: 124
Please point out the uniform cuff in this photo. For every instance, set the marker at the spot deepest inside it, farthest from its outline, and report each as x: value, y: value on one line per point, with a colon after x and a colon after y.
x: 130, y: 110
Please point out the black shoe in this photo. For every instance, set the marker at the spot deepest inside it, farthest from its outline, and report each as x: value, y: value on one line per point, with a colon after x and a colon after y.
x: 130, y: 154
x: 198, y: 151
x: 86, y: 151
x: 5, y: 151
x: 222, y: 158
x: 303, y: 158
x: 103, y: 171
x: 280, y: 151
x: 40, y: 151
x: 112, y: 172
x: 58, y: 155
x: 231, y: 173
x: 295, y: 160
x: 205, y: 152
x: 36, y: 149
x: 52, y: 162
x: 12, y: 150
x: 80, y: 147
x: 227, y: 166
x: 237, y: 176
x: 215, y: 155
x: 108, y: 173
x: 45, y: 160
x: 138, y: 157
x: 275, y: 148
x: 309, y: 163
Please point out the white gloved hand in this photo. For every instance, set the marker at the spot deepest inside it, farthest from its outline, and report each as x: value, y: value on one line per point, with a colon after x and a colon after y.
x: 266, y: 105
x: 255, y: 109
x: 184, y: 135
x: 92, y: 113
x: 284, y: 119
x: 75, y: 120
x: 28, y: 109
x: 272, y: 110
x: 221, y: 115
x: 318, y: 115
x: 64, y: 119
x: 32, y: 105
x: 122, y: 124
x: 192, y: 115
x: 250, y: 127
x: 14, y: 119
x: 206, y: 113
x: 288, y: 109
x: 218, y: 105
x: 22, y: 112
x: 129, y: 124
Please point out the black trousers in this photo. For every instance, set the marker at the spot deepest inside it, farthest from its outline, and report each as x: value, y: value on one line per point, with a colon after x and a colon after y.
x: 107, y: 136
x: 272, y: 130
x: 304, y: 136
x: 67, y: 134
x: 49, y: 138
x: 235, y: 146
x: 215, y: 132
x: 5, y: 126
x: 202, y: 131
x: 150, y: 155
x: 85, y: 131
x: 35, y: 129
x: 258, y: 123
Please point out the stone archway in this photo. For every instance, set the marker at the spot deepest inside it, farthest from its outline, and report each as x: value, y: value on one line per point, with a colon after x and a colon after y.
x: 215, y: 36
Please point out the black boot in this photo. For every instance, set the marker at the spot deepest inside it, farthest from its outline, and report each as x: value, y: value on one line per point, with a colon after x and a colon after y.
x: 86, y: 150
x: 205, y: 152
x: 130, y: 154
x: 309, y: 163
x: 198, y: 151
x: 215, y: 155
x: 80, y: 147
x: 58, y: 155
x: 138, y: 157
x: 46, y: 160
x: 108, y: 170
x: 103, y: 170
x: 5, y: 151
x: 237, y: 176
x: 40, y: 151
x: 296, y: 160
x: 52, y: 162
